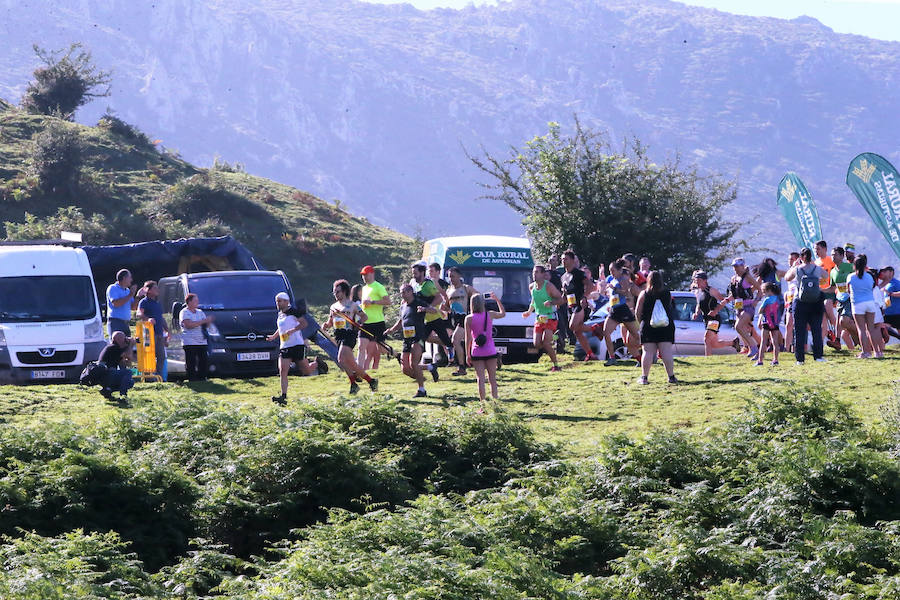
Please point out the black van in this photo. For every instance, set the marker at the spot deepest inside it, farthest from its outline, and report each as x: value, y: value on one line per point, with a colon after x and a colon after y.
x: 242, y: 304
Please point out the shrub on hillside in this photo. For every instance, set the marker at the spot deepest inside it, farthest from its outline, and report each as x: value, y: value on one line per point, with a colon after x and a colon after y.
x: 116, y: 126
x: 95, y: 230
x: 56, y: 159
x: 67, y: 80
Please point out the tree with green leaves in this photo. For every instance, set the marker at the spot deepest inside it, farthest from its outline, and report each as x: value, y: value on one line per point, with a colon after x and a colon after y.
x: 67, y: 80
x: 577, y: 192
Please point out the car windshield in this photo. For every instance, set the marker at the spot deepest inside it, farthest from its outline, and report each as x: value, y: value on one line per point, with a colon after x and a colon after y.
x: 237, y: 292
x: 511, y: 285
x: 47, y: 298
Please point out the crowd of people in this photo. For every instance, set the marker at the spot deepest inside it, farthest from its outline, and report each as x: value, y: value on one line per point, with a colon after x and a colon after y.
x: 818, y: 298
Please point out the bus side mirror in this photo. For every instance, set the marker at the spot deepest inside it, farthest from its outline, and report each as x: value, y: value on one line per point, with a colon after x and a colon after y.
x: 177, y: 307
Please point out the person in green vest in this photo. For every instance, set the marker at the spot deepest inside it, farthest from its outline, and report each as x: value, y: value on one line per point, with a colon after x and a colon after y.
x: 545, y: 299
x: 845, y: 327
x: 374, y: 299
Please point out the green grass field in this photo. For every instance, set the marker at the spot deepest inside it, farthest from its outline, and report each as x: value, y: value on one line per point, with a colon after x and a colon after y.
x: 575, y: 408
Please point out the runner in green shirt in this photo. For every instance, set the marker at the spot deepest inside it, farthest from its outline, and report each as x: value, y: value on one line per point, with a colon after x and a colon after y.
x: 374, y: 299
x: 433, y: 296
x: 845, y: 327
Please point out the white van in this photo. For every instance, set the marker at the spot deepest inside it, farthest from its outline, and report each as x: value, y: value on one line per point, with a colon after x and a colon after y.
x: 50, y: 323
x: 498, y: 264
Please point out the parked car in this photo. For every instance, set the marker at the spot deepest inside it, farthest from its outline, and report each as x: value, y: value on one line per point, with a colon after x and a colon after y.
x: 689, y: 333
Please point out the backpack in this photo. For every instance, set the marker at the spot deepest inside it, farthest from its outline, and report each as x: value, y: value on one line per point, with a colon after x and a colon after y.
x: 94, y: 373
x: 809, y: 286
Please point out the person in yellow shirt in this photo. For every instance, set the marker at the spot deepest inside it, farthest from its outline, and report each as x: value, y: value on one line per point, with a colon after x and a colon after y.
x: 374, y: 299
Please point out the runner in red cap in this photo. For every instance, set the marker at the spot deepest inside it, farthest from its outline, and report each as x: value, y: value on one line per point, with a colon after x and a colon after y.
x: 374, y: 299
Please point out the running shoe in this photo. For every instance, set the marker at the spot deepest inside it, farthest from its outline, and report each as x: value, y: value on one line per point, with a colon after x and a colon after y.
x: 862, y: 355
x: 610, y: 362
x: 758, y: 363
x: 353, y: 388
x: 799, y: 363
x: 774, y: 363
x: 434, y: 373
x: 420, y: 394
x: 280, y: 400
x: 373, y: 385
x: 321, y: 365
x: 555, y: 369
x: 642, y: 380
x: 736, y: 344
x: 834, y: 344
x: 879, y: 355
x: 821, y: 360
x: 673, y: 379
x: 106, y: 393
x: 458, y: 373
x: 753, y: 353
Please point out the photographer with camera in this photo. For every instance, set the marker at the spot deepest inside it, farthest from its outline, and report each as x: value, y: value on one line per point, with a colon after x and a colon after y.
x: 115, y: 357
x: 480, y: 350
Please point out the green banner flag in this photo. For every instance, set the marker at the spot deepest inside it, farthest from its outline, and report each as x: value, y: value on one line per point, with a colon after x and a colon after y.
x: 874, y: 181
x: 799, y: 210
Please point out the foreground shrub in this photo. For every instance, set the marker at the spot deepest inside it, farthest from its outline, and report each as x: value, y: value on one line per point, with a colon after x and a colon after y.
x: 56, y: 159
x: 73, y: 566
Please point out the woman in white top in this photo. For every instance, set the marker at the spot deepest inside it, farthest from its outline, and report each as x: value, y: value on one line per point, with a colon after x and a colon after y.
x: 193, y: 340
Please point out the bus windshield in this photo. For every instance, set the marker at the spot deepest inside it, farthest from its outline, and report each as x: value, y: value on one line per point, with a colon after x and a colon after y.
x: 237, y: 292
x: 511, y: 285
x: 47, y: 298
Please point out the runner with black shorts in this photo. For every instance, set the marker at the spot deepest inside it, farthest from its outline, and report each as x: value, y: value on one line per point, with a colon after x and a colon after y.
x: 434, y: 273
x: 573, y: 291
x: 374, y: 299
x: 710, y: 302
x: 412, y: 324
x: 344, y: 314
x: 621, y: 290
x: 458, y: 295
x: 293, y: 346
x: 431, y: 295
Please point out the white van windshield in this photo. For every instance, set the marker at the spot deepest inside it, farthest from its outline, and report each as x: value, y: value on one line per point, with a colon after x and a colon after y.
x: 510, y: 284
x: 47, y: 298
x: 237, y: 292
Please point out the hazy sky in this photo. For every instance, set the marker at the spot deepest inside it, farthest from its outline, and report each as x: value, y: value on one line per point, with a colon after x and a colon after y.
x: 873, y: 18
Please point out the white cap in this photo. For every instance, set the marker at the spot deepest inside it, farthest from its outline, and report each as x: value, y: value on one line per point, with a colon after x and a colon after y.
x: 282, y: 296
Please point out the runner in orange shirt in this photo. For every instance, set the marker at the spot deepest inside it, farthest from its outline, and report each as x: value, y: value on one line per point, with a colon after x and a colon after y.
x: 829, y: 323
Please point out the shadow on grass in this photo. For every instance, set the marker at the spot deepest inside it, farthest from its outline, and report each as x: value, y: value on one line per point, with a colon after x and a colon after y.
x: 571, y: 418
x: 210, y: 387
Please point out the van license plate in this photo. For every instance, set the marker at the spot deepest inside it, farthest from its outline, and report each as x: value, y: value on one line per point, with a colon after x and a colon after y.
x: 48, y: 374
x: 243, y: 356
x: 501, y: 349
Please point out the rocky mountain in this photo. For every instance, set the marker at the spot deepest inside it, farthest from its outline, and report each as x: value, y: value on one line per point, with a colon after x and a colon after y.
x: 375, y: 104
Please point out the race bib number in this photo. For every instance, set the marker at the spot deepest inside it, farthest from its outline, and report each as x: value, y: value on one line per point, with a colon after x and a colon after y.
x: 842, y: 288
x: 739, y: 304
x: 570, y: 298
x: 409, y: 332
x: 614, y: 300
x: 542, y: 319
x: 285, y: 337
x: 340, y: 323
x: 712, y: 326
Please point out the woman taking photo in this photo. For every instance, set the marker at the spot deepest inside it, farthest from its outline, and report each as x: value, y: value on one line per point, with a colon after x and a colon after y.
x: 656, y: 335
x: 480, y: 350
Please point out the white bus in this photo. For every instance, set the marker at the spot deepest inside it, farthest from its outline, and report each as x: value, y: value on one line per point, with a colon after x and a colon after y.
x: 50, y: 323
x: 498, y: 264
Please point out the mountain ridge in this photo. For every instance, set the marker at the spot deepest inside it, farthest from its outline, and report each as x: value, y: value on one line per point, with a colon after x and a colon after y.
x: 373, y: 104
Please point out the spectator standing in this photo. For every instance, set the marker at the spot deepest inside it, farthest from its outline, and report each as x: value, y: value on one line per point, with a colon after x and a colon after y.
x: 193, y: 339
x: 480, y: 350
x: 121, y: 298
x: 656, y: 338
x: 808, y: 306
x: 149, y: 309
x: 863, y: 307
x: 891, y: 287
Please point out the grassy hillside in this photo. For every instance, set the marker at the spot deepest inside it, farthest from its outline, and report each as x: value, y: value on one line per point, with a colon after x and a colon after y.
x: 133, y: 189
x: 739, y: 483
